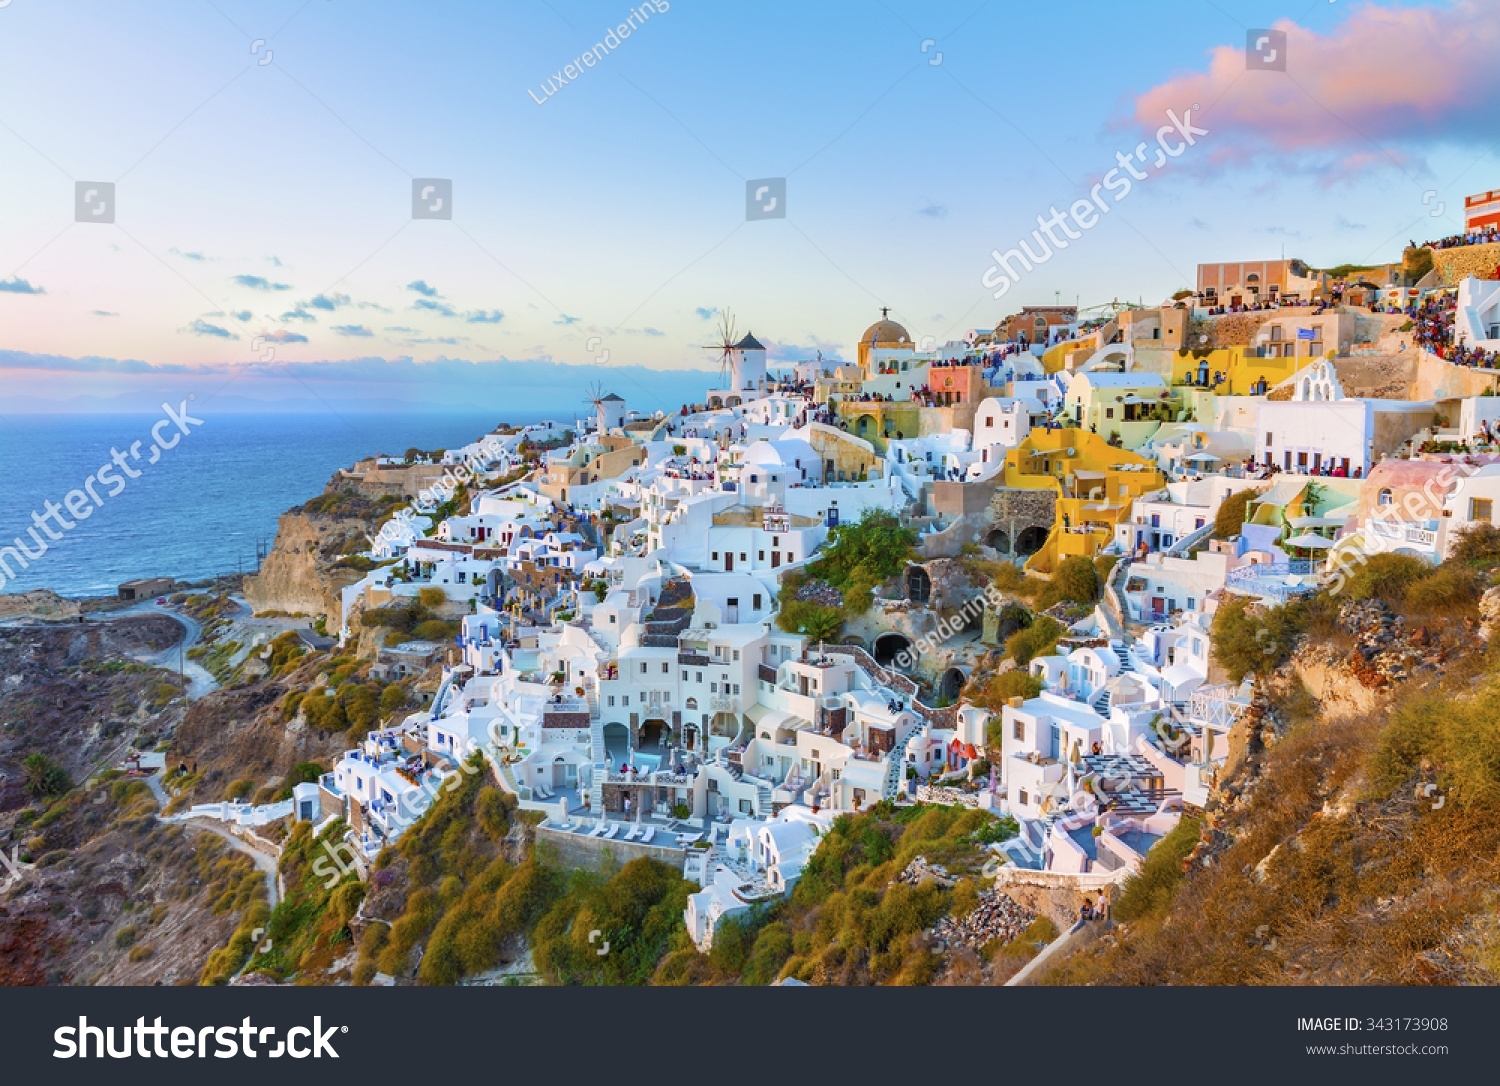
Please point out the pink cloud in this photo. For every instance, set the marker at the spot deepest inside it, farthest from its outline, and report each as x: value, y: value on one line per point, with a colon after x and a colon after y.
x: 1417, y: 75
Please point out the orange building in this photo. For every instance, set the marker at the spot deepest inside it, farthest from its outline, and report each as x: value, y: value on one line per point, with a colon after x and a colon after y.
x: 1482, y: 210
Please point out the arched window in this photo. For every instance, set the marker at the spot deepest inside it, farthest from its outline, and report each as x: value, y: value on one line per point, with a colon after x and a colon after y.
x: 1385, y: 496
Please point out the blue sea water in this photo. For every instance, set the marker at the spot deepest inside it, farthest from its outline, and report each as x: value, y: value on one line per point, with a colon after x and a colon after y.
x: 204, y: 505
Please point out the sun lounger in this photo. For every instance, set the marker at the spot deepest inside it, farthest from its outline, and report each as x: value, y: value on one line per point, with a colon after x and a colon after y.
x: 632, y: 833
x: 689, y: 839
x: 646, y: 836
x: 599, y: 829
x: 613, y: 829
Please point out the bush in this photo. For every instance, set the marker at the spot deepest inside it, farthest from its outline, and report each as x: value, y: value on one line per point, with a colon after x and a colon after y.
x: 1149, y: 893
x: 1444, y: 589
x: 1230, y: 518
x: 1074, y: 579
x: 871, y: 549
x: 432, y: 597
x: 1038, y: 639
x: 813, y: 620
x: 393, y: 697
x: 1477, y: 542
x: 240, y: 789
x: 1384, y: 577
x: 125, y: 936
x: 997, y: 693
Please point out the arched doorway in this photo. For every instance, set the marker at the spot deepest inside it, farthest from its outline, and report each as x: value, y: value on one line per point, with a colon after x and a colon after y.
x: 893, y: 650
x: 998, y: 540
x: 1012, y: 619
x: 652, y: 733
x: 952, y: 683
x: 724, y: 725
x: 1030, y: 541
x: 616, y: 743
x: 918, y: 584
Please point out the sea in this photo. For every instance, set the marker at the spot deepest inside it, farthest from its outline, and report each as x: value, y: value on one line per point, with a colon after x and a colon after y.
x: 207, y: 503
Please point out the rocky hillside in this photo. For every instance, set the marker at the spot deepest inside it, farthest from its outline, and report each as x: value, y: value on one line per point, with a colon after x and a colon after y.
x: 1354, y: 834
x: 316, y: 553
x: 75, y: 694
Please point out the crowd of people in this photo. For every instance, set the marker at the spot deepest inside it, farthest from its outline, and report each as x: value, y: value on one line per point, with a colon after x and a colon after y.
x: 1486, y: 236
x: 1328, y: 470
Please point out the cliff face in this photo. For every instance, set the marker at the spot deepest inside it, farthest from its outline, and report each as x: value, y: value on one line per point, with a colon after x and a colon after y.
x: 298, y: 575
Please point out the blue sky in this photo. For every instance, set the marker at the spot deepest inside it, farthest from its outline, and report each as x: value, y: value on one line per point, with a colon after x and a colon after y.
x: 268, y: 205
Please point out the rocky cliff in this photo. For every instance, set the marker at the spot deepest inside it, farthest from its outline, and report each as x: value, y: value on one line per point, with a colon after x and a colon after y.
x: 300, y: 575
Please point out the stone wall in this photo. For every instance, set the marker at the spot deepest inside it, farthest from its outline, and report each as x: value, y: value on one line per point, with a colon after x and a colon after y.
x: 1012, y: 510
x: 580, y: 850
x: 1454, y: 265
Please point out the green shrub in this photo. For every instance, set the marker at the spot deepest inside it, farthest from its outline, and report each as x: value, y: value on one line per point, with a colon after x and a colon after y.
x: 125, y: 936
x: 1038, y: 639
x: 1149, y: 892
x: 1384, y: 577
x: 239, y: 789
x: 1074, y: 579
x: 1477, y: 542
x: 44, y: 777
x: 393, y: 697
x: 1445, y: 589
x: 1229, y: 521
x: 432, y: 597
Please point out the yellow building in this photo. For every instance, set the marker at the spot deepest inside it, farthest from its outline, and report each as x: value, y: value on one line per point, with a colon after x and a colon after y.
x: 1233, y: 371
x: 1056, y: 357
x: 1095, y: 484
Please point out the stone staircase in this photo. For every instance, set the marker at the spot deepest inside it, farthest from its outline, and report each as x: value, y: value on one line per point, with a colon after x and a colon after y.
x: 763, y: 800
x: 895, y: 772
x: 1101, y: 703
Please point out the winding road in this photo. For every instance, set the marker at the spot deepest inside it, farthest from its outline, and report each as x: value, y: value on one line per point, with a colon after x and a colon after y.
x: 200, y: 681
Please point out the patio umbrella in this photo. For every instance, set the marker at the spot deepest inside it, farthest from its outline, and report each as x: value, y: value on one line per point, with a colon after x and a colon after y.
x: 1307, y: 541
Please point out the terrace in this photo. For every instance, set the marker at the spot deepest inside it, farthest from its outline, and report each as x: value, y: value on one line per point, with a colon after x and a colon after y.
x: 1277, y: 581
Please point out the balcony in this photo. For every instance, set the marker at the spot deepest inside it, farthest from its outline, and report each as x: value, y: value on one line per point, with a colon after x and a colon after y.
x: 561, y: 712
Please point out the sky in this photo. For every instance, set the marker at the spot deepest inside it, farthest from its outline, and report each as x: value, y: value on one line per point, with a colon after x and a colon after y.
x: 264, y: 154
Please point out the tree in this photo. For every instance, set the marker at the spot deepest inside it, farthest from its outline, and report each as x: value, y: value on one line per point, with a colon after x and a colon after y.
x: 872, y: 549
x: 44, y: 777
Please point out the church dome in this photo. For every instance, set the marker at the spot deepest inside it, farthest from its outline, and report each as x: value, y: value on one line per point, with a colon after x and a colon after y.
x: 886, y: 332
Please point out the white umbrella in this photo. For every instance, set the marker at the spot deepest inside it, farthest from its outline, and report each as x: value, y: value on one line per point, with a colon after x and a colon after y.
x: 1307, y: 539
